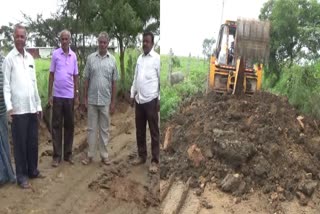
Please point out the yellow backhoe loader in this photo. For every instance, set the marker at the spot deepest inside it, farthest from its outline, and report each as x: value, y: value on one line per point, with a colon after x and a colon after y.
x: 236, y: 66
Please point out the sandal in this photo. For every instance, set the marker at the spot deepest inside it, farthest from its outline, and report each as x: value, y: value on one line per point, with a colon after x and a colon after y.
x: 138, y: 161
x: 86, y: 161
x: 25, y: 185
x: 106, y: 161
x: 153, y: 168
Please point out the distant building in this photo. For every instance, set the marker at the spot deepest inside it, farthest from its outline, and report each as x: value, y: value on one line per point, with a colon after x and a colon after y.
x: 40, y: 52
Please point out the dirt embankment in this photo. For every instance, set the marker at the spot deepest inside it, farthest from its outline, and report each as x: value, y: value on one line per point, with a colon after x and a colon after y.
x: 244, y: 144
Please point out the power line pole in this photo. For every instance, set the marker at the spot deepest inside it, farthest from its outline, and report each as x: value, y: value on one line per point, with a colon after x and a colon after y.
x: 222, y: 11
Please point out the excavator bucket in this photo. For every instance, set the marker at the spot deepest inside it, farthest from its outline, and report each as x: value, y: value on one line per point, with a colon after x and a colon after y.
x: 252, y: 44
x: 252, y: 40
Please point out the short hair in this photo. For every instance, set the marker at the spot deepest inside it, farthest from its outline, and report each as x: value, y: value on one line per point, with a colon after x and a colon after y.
x: 103, y: 34
x: 148, y: 33
x: 19, y: 26
x: 66, y: 32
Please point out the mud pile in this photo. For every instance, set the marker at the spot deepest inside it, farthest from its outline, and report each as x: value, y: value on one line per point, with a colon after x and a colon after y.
x: 244, y: 144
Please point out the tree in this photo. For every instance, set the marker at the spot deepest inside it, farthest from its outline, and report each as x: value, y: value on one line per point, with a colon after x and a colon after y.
x: 125, y: 19
x: 294, y: 33
x: 207, y: 47
x: 6, y: 43
x: 48, y: 28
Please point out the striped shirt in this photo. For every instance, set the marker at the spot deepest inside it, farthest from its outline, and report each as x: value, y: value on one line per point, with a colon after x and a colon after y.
x: 100, y: 71
x: 2, y: 103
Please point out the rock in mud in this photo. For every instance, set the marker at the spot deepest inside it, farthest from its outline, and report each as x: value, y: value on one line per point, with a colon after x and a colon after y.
x: 231, y: 183
x: 195, y: 155
x: 235, y: 152
x: 262, y: 168
x: 308, y: 187
x: 303, y: 200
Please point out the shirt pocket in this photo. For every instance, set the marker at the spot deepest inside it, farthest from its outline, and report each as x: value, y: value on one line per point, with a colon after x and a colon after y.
x: 151, y: 71
x: 32, y: 74
x: 107, y: 74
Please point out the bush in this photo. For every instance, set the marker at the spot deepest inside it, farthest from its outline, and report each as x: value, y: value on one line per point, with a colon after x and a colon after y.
x: 301, y: 85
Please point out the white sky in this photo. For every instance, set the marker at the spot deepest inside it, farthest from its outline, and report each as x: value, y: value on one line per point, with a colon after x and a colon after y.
x: 186, y: 23
x: 10, y: 11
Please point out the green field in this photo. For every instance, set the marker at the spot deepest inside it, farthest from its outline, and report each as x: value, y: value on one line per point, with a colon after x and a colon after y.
x: 172, y: 96
x: 42, y: 70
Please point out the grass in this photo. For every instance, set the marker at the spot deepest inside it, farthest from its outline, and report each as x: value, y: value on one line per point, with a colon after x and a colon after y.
x: 42, y: 71
x: 300, y: 83
x: 172, y: 96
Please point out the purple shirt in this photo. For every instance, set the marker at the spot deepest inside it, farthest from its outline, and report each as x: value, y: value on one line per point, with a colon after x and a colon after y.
x: 64, y: 68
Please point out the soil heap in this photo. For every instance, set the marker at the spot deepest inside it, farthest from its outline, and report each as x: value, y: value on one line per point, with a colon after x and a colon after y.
x: 244, y: 144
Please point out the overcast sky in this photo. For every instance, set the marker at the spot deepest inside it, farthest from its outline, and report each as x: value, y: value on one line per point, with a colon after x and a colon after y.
x: 10, y: 11
x: 186, y: 23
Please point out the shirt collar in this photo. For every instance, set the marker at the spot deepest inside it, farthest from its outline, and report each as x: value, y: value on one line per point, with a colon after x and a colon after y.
x: 151, y: 53
x: 107, y: 54
x: 16, y: 52
x: 62, y: 52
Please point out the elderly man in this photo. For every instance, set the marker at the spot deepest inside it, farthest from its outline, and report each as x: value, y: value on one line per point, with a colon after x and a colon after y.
x: 6, y: 170
x: 23, y: 107
x: 100, y: 92
x: 146, y: 91
x: 64, y: 81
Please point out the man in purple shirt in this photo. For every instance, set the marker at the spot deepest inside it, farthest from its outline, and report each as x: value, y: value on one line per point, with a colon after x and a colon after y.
x: 64, y: 80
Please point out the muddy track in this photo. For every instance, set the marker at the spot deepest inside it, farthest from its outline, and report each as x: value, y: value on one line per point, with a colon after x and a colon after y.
x: 66, y: 189
x: 179, y: 198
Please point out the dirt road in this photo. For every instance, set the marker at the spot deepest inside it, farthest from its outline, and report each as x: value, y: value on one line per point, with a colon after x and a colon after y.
x: 119, y: 188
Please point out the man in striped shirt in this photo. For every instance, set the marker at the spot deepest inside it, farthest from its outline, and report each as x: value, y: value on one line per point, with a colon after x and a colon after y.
x: 2, y: 104
x: 100, y: 91
x: 6, y: 170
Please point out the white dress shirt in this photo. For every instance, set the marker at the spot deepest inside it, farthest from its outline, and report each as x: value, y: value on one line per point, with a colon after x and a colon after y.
x: 20, y: 84
x: 146, y: 82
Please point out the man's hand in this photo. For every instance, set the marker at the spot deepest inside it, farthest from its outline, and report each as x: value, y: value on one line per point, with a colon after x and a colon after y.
x: 131, y: 102
x: 9, y: 114
x: 76, y: 101
x: 112, y: 108
x: 50, y: 101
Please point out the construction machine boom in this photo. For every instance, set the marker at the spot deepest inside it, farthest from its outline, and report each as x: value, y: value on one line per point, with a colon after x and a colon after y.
x: 236, y: 66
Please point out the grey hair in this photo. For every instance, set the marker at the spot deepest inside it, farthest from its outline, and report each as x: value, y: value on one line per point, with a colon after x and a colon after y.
x: 66, y: 32
x: 20, y: 26
x: 103, y: 34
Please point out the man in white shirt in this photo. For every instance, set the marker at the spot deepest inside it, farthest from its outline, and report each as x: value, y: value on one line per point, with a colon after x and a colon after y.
x: 23, y: 107
x: 145, y: 91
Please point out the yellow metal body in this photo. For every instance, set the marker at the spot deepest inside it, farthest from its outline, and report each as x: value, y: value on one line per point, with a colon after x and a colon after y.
x: 223, y: 78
